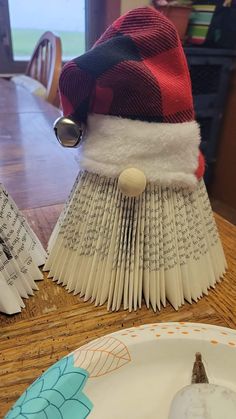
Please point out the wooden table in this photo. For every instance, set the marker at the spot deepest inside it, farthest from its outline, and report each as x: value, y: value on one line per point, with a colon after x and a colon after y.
x: 38, y: 174
x: 33, y: 166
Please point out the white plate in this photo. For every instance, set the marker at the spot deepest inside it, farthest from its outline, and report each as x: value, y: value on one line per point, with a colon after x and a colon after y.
x: 133, y: 373
x: 151, y: 363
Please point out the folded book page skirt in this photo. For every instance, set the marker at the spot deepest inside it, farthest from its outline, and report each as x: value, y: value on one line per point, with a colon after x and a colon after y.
x: 113, y: 249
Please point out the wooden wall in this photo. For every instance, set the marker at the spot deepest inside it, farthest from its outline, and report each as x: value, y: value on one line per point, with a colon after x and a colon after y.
x: 132, y: 4
x: 224, y: 183
x: 103, y: 12
x: 99, y: 15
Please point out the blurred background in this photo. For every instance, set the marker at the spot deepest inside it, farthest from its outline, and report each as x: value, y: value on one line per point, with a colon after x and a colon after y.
x: 30, y: 19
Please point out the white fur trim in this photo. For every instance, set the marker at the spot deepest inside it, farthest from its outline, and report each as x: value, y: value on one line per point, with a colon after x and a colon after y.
x: 166, y: 153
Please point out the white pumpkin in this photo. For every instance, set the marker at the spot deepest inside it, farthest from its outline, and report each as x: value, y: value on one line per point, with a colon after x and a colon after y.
x: 204, y: 401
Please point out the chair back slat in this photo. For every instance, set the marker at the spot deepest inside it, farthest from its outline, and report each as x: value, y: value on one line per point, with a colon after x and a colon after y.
x: 45, y: 64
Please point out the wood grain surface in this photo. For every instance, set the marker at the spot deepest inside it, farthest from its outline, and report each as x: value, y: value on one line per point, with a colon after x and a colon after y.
x: 55, y: 322
x: 34, y: 168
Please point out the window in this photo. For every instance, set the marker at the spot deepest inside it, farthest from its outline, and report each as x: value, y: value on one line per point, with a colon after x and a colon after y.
x: 29, y: 19
x: 78, y: 23
x: 24, y: 21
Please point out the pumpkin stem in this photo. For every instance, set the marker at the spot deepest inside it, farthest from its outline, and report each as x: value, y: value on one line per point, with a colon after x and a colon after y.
x: 199, y: 373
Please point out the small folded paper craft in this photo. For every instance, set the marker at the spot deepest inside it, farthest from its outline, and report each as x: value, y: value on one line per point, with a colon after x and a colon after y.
x: 20, y: 255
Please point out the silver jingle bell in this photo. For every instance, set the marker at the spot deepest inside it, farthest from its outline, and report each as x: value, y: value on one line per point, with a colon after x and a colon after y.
x: 68, y: 133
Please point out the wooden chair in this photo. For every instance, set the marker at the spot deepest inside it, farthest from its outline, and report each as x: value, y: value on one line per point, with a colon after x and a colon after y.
x: 45, y: 64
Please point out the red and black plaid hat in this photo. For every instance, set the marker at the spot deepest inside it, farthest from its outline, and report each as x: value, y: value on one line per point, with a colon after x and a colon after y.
x: 136, y: 71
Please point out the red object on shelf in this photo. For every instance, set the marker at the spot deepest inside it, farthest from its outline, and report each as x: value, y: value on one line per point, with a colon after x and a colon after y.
x: 179, y: 16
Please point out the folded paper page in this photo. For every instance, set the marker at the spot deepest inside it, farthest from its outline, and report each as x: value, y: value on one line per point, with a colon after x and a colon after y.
x: 163, y: 245
x: 21, y: 254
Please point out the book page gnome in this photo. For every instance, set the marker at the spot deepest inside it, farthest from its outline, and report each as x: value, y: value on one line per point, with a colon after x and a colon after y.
x: 138, y: 226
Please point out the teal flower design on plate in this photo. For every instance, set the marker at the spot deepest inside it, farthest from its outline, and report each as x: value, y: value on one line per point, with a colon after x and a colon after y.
x: 57, y: 394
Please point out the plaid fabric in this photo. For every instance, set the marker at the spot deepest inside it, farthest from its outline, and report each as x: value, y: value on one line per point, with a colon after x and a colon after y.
x: 136, y: 70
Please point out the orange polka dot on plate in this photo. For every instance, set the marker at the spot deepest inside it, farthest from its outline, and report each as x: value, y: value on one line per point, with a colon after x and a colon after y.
x: 214, y: 342
x: 170, y: 333
x: 184, y: 333
x: 158, y: 335
x: 232, y: 343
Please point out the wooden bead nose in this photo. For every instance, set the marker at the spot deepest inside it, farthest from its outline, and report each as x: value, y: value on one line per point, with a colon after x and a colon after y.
x: 132, y: 182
